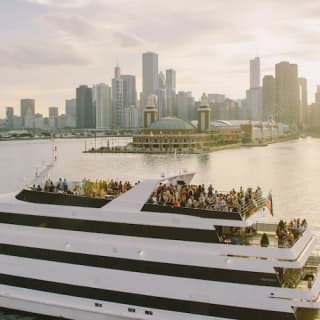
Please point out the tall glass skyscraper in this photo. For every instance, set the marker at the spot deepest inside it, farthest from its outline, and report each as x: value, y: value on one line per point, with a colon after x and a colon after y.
x: 86, y: 117
x: 287, y: 93
x: 103, y: 105
x: 255, y: 73
x: 171, y: 92
x: 117, y: 100
x: 149, y: 75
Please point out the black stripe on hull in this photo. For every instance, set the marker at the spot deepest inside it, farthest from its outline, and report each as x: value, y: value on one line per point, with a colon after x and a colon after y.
x: 150, y: 267
x: 60, y: 199
x: 133, y: 299
x: 115, y: 228
x: 15, y: 314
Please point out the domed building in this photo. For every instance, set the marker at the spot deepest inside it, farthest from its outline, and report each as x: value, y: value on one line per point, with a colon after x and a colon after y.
x: 172, y: 124
x: 172, y: 134
x: 169, y: 134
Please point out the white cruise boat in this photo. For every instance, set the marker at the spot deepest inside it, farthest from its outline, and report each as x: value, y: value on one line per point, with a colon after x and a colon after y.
x: 72, y: 257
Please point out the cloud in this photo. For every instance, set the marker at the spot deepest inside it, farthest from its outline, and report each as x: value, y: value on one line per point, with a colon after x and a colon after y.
x: 41, y: 54
x: 208, y: 40
x: 74, y: 25
x: 127, y: 40
x: 62, y: 3
x: 85, y: 30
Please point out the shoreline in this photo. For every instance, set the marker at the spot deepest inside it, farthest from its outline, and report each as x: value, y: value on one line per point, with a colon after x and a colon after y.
x: 62, y: 138
x: 125, y: 149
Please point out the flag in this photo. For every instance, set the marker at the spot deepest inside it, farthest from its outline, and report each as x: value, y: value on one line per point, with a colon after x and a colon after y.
x: 269, y: 203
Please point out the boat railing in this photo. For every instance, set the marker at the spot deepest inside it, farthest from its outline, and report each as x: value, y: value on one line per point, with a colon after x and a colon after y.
x: 314, y: 259
x: 150, y: 206
x: 240, y: 213
x: 303, y: 278
x: 266, y: 227
x: 251, y: 206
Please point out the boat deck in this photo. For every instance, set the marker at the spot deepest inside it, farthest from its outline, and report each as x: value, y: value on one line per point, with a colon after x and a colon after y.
x: 252, y: 236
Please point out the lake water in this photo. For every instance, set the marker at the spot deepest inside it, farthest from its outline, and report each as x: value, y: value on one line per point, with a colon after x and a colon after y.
x: 290, y: 169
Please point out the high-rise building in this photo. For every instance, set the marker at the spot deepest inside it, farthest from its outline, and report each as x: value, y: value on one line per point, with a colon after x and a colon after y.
x: 131, y: 117
x: 27, y: 106
x: 254, y: 94
x: 255, y: 73
x: 185, y: 106
x: 53, y: 117
x: 317, y: 95
x: 117, y: 100
x: 228, y: 109
x: 303, y: 100
x: 39, y: 121
x: 53, y: 112
x: 268, y: 97
x: 27, y: 112
x: 9, y: 117
x: 171, y: 92
x: 101, y: 95
x: 70, y: 106
x: 70, y: 113
x: 17, y: 123
x: 287, y: 93
x: 162, y: 96
x: 129, y: 90
x: 216, y: 98
x: 149, y: 75
x: 85, y: 112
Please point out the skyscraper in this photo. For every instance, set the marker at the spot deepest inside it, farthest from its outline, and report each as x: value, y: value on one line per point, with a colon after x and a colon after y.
x: 303, y: 100
x: 117, y: 100
x: 129, y: 90
x: 216, y: 98
x: 254, y: 94
x: 101, y: 95
x: 70, y: 113
x: 149, y: 75
x: 287, y: 93
x: 53, y: 117
x: 70, y: 106
x: 255, y: 73
x: 84, y: 108
x: 162, y: 96
x: 185, y: 106
x: 171, y: 92
x: 131, y: 117
x: 27, y: 106
x: 9, y: 117
x: 53, y: 112
x: 317, y: 95
x: 268, y: 97
x: 27, y: 111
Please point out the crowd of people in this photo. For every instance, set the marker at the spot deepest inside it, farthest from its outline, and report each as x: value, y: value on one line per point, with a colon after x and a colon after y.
x: 200, y: 196
x: 98, y: 188
x: 289, y: 233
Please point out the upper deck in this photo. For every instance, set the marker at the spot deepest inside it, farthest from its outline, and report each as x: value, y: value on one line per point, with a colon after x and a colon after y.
x: 86, y: 194
x: 199, y: 201
x: 178, y: 198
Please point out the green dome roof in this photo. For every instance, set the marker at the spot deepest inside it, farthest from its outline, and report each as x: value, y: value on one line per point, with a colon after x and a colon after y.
x: 171, y: 123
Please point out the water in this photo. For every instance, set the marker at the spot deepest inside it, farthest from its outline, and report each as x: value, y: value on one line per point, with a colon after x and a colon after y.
x: 290, y: 169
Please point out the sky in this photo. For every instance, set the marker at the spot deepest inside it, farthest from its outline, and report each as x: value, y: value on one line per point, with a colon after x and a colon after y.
x: 49, y: 47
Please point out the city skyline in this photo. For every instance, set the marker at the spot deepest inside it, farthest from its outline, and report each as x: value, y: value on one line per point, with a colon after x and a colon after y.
x: 59, y: 45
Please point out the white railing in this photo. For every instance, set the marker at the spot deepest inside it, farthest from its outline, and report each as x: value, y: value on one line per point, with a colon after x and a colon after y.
x: 252, y: 206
